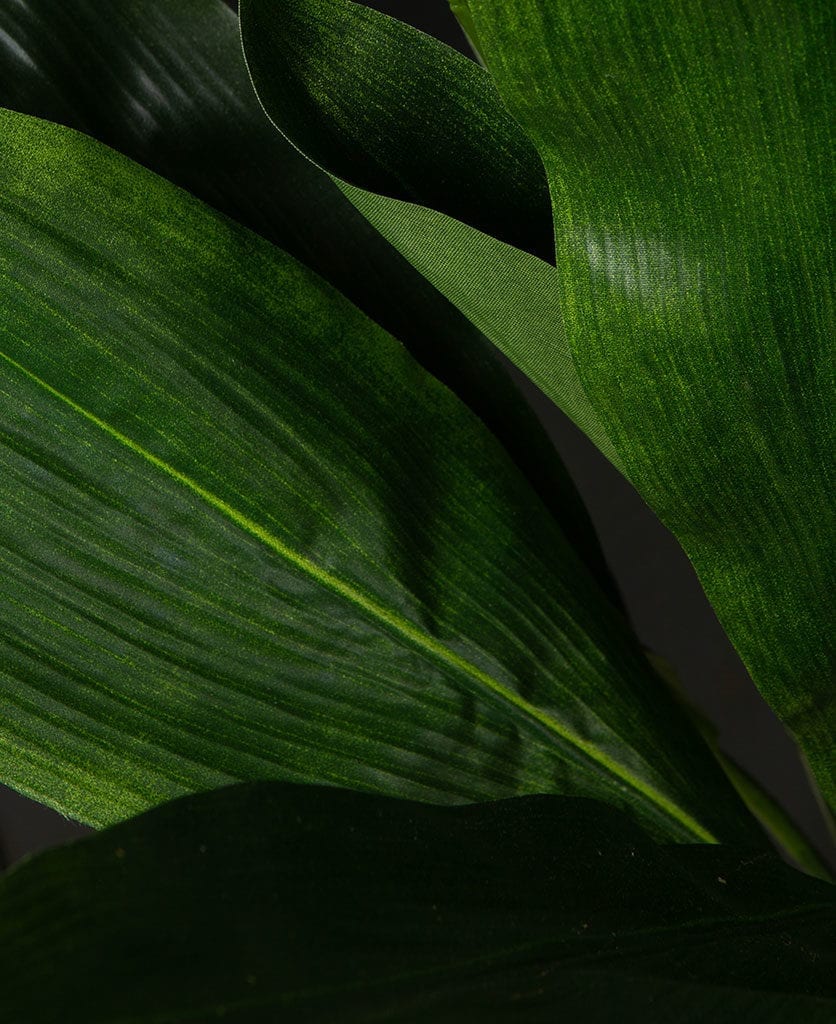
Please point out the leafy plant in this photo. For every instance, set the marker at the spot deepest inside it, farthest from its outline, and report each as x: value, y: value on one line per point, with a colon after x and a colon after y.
x: 275, y: 513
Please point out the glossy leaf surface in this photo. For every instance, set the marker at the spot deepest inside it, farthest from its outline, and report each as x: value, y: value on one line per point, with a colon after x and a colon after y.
x: 286, y: 903
x: 245, y: 536
x: 690, y: 163
x: 166, y: 84
x: 312, y: 63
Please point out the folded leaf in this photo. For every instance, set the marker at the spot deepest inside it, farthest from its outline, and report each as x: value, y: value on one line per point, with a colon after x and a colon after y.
x: 166, y: 84
x: 509, y: 295
x: 396, y: 112
x: 245, y: 536
x: 302, y: 54
x: 688, y: 153
x: 290, y: 903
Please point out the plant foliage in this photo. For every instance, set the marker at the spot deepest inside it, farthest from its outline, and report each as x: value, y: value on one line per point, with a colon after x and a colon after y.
x: 273, y: 509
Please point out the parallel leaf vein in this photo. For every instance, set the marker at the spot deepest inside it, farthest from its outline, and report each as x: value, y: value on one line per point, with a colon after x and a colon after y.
x: 376, y: 611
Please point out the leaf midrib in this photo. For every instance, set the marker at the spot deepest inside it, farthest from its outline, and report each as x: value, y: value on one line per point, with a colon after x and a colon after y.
x: 377, y: 611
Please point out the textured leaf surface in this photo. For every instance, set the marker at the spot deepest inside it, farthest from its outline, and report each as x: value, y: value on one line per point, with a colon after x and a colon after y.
x: 245, y: 536
x: 314, y: 63
x: 691, y: 185
x: 289, y: 903
x: 510, y: 295
x: 166, y: 84
x: 397, y: 113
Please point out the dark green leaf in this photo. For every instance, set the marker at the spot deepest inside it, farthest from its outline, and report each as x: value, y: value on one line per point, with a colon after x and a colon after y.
x: 287, y: 903
x: 690, y: 162
x: 165, y: 83
x: 683, y: 279
x: 396, y: 112
x: 508, y: 294
x: 245, y: 536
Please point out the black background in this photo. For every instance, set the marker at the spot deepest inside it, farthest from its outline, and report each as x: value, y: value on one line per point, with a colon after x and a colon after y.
x: 666, y: 603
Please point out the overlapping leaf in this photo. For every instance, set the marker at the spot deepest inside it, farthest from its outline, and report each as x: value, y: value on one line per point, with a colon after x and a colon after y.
x: 165, y: 83
x: 338, y: 52
x: 686, y: 327
x: 332, y: 74
x: 287, y: 903
x: 245, y: 536
x: 691, y: 182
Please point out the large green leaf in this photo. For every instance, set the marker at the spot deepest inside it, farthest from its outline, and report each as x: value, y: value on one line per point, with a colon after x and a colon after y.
x: 166, y: 84
x: 244, y: 536
x: 338, y: 52
x: 289, y: 903
x: 685, y: 327
x: 690, y: 163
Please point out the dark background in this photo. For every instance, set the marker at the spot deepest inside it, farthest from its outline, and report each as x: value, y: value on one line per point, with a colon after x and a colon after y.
x: 664, y: 598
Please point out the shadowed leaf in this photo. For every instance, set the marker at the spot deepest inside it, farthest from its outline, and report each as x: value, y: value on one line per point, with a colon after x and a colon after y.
x: 282, y: 903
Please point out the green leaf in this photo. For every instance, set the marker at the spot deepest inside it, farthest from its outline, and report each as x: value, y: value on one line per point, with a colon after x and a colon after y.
x: 691, y: 182
x: 166, y: 84
x: 468, y: 26
x: 275, y: 902
x: 245, y: 536
x: 509, y: 295
x: 692, y: 350
x: 314, y: 62
x: 798, y: 844
x: 331, y: 73
x: 795, y: 841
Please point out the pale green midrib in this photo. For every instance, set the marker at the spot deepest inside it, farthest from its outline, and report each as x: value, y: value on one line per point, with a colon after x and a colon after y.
x: 377, y: 611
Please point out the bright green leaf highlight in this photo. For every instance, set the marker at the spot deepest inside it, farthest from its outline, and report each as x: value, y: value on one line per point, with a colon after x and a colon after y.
x: 512, y: 297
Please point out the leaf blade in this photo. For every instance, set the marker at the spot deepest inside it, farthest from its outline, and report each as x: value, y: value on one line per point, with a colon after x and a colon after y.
x: 692, y: 185
x: 372, y: 608
x: 300, y: 900
x: 199, y: 380
x: 166, y: 85
x: 509, y: 294
x: 439, y: 136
